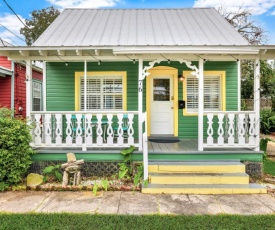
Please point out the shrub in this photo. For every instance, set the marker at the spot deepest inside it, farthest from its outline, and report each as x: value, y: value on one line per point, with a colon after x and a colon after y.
x: 267, y: 121
x: 15, y: 151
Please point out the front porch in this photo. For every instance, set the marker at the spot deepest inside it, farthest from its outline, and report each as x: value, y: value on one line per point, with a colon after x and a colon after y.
x: 116, y: 130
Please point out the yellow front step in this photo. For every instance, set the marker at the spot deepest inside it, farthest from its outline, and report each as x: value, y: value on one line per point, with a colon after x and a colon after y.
x: 198, y: 178
x: 222, y: 168
x: 204, y: 189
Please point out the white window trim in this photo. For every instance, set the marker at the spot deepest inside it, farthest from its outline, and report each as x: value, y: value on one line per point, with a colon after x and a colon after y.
x: 222, y: 93
x: 41, y: 93
x: 98, y: 74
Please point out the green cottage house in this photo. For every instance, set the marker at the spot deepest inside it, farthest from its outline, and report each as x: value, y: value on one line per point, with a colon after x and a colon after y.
x: 166, y: 81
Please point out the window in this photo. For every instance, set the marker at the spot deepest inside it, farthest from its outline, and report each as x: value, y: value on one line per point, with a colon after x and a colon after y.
x: 213, y: 94
x: 36, y: 96
x: 105, y: 91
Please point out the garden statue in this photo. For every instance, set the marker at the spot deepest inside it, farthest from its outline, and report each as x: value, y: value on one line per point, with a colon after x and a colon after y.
x: 71, y: 167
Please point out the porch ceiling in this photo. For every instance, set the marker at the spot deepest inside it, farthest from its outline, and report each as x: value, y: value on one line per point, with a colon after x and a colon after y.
x: 215, y: 53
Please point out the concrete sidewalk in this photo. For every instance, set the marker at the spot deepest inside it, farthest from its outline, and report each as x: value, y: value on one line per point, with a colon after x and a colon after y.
x: 135, y: 203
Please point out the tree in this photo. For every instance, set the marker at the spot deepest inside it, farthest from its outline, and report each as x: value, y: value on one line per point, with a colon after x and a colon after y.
x: 39, y: 22
x: 255, y: 35
x: 241, y: 21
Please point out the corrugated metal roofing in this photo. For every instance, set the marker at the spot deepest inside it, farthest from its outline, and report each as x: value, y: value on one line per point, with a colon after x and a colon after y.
x: 140, y: 27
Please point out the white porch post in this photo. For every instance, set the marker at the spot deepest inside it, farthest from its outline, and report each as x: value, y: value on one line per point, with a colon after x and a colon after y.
x: 84, y: 146
x: 200, y: 106
x: 85, y: 85
x: 257, y: 101
x: 239, y: 85
x: 28, y: 88
x: 12, y: 87
x: 44, y: 94
x: 140, y: 93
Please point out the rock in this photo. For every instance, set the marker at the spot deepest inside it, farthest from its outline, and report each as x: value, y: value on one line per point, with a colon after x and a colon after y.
x: 34, y: 179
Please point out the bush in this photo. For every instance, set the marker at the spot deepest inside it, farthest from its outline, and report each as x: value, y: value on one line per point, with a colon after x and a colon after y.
x: 267, y: 121
x: 15, y: 151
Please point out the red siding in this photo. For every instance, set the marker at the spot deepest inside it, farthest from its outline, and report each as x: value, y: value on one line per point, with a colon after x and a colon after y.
x: 4, y: 62
x: 5, y: 92
x: 19, y: 86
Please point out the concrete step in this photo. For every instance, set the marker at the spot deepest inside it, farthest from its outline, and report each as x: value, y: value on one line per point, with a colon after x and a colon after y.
x: 203, y: 189
x: 199, y: 178
x: 197, y: 167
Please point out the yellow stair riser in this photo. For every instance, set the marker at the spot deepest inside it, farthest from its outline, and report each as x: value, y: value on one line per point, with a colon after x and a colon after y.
x: 196, y: 169
x: 199, y: 180
x: 204, y: 191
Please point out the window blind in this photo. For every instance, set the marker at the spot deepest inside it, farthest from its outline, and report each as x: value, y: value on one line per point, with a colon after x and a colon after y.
x: 212, y: 98
x: 103, y: 93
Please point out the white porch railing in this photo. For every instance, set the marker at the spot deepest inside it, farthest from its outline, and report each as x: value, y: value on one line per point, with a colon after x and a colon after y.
x: 145, y: 147
x: 85, y: 129
x: 231, y: 129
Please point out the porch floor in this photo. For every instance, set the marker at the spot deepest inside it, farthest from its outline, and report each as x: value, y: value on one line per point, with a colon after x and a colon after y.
x: 184, y: 146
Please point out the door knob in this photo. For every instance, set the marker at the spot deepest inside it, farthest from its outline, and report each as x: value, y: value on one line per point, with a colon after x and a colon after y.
x: 172, y: 107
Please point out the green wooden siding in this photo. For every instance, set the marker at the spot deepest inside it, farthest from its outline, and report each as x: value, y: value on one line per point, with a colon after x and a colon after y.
x: 61, y: 89
x: 61, y: 79
x: 111, y: 156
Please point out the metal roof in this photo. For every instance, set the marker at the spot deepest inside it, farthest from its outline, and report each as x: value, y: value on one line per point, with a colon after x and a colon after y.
x: 140, y: 27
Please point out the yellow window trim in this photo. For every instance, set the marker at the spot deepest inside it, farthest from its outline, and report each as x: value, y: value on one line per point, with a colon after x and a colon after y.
x: 78, y: 75
x: 222, y: 75
x: 162, y: 71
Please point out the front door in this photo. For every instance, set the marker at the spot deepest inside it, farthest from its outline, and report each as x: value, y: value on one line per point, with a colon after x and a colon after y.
x: 161, y: 105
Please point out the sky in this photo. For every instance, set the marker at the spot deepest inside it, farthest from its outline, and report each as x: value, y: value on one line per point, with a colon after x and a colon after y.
x: 263, y: 11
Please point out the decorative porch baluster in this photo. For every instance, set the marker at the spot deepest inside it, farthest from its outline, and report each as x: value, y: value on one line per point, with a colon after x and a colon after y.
x: 79, y: 139
x: 252, y: 131
x: 110, y: 132
x: 220, y: 129
x: 241, y: 129
x: 231, y: 117
x: 69, y: 132
x: 130, y: 129
x: 58, y: 130
x: 37, y: 130
x: 120, y: 139
x: 99, y: 131
x: 210, y: 131
x: 48, y: 129
x: 89, y: 129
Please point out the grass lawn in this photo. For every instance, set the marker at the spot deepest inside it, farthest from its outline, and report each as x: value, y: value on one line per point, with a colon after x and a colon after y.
x: 269, y: 167
x: 118, y: 222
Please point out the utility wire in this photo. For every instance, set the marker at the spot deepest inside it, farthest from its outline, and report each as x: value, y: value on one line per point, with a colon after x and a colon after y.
x: 15, y: 13
x: 12, y: 32
x: 8, y: 37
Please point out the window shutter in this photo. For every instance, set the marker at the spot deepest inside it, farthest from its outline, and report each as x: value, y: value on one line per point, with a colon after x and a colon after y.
x: 192, y: 94
x: 211, y: 93
x: 103, y: 93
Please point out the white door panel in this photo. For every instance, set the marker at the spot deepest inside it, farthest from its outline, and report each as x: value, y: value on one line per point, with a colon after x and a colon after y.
x: 162, y: 105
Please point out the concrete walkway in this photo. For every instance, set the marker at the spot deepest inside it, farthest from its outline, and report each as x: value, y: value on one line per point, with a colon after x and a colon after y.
x: 135, y: 203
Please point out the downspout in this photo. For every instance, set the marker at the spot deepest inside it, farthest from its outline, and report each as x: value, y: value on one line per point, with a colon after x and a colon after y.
x: 12, y: 89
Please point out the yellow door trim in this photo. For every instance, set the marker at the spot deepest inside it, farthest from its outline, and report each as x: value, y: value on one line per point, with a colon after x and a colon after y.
x: 162, y: 71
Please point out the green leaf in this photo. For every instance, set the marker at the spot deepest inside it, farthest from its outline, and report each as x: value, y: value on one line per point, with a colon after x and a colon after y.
x: 105, y: 184
x: 95, y: 188
x: 58, y: 175
x: 48, y: 169
x: 136, y: 179
x: 128, y: 151
x: 122, y: 173
x: 145, y: 182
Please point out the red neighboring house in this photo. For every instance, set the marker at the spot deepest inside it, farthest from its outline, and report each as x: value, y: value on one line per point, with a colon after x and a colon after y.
x: 16, y: 97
